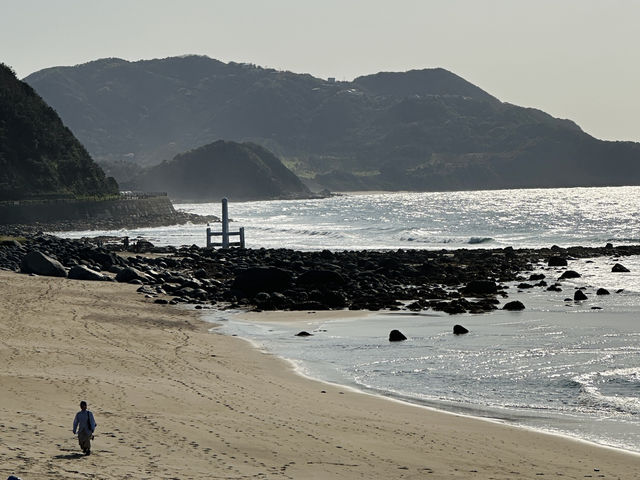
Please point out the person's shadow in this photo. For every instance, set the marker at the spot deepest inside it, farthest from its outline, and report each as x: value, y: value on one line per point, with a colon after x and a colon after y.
x: 69, y: 456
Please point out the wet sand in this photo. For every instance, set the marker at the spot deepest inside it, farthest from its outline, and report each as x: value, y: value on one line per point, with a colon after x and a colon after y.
x: 174, y: 401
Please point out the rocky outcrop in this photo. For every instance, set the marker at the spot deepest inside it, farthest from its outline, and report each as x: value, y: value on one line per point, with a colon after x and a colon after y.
x: 262, y: 279
x: 41, y: 264
x: 267, y: 279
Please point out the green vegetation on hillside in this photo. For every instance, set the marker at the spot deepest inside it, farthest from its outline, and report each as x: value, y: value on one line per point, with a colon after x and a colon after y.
x: 39, y: 157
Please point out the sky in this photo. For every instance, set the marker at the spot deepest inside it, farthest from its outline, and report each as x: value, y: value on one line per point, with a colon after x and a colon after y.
x: 575, y: 59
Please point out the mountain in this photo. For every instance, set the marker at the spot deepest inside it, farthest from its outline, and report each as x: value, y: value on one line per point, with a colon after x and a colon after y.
x: 418, y: 130
x: 39, y: 156
x: 223, y: 169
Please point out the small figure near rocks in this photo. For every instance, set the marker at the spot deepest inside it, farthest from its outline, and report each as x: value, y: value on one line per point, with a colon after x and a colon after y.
x: 396, y: 336
x: 579, y: 296
x: 618, y: 268
x: 459, y: 330
x: 514, y: 306
x: 304, y: 334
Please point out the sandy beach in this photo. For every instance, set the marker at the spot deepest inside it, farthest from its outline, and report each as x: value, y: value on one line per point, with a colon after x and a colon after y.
x: 174, y: 401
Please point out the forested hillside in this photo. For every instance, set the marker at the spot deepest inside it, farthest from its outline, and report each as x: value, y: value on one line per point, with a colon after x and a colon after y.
x: 419, y: 130
x: 39, y: 156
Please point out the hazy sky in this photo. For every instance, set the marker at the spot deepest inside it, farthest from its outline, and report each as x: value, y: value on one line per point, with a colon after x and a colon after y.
x: 576, y: 59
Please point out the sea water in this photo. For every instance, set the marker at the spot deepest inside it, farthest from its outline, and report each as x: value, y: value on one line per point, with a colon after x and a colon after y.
x: 559, y: 366
x: 472, y: 219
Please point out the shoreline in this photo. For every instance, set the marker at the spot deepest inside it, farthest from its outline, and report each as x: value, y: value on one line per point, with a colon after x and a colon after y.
x: 557, y: 423
x: 172, y: 399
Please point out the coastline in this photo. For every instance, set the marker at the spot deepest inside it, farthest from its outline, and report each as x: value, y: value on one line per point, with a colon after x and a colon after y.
x: 172, y: 399
x: 363, y: 337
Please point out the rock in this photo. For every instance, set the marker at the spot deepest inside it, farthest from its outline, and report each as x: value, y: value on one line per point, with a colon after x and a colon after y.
x: 570, y: 274
x: 579, y: 296
x: 320, y: 277
x: 334, y: 299
x: 602, y: 291
x: 556, y: 261
x: 304, y: 334
x: 40, y: 264
x: 80, y: 272
x: 459, y: 330
x: 161, y: 301
x: 262, y: 279
x: 396, y: 336
x: 536, y: 276
x: 130, y: 274
x: 480, y: 287
x: 513, y: 306
x: 618, y: 268
x: 524, y: 286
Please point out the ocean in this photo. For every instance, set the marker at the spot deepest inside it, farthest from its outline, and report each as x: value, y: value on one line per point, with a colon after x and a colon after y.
x: 571, y: 368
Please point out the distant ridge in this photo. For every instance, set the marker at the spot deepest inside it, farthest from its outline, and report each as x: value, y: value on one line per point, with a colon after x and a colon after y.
x: 419, y: 130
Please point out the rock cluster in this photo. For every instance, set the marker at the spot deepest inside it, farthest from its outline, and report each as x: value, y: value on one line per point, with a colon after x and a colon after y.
x: 451, y: 281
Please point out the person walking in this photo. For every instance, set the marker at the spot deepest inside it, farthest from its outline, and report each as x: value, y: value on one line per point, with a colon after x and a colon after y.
x: 84, y: 424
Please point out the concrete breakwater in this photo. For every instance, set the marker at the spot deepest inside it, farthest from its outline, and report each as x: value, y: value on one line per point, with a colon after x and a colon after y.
x: 126, y: 210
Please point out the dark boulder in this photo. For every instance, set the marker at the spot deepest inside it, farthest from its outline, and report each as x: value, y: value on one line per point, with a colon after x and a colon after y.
x: 80, y: 272
x: 262, y: 279
x: 480, y: 287
x: 334, y: 299
x: 536, y: 276
x: 602, y: 291
x: 131, y: 275
x: 570, y: 274
x: 618, y: 268
x: 304, y: 334
x: 320, y: 277
x: 515, y: 305
x: 459, y: 330
x: 579, y: 296
x: 556, y: 261
x: 40, y: 264
x: 396, y: 336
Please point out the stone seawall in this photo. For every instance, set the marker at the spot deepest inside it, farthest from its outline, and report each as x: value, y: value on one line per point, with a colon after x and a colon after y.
x: 126, y: 210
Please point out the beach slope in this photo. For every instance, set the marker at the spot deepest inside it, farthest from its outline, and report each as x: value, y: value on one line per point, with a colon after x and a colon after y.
x: 174, y: 401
